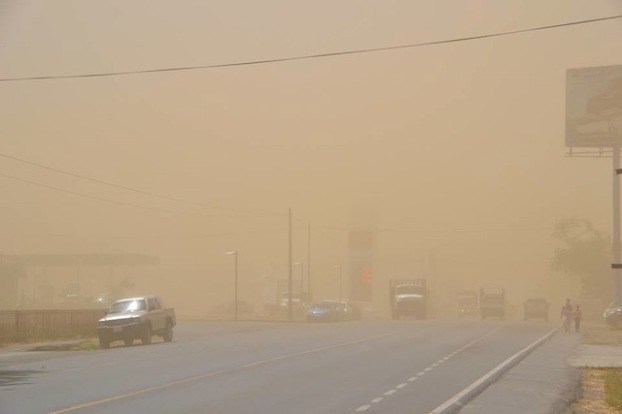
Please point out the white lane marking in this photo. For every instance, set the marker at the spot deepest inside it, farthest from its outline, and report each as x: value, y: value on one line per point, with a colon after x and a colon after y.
x: 421, y: 373
x: 363, y: 407
x: 216, y: 373
x: 377, y: 400
x: 456, y: 398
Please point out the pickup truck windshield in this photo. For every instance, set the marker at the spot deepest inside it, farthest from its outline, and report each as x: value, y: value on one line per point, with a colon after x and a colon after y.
x: 128, y: 306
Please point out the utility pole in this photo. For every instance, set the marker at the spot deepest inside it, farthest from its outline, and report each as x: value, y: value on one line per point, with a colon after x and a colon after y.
x: 235, y: 295
x: 309, y: 261
x: 289, y: 269
x: 616, y: 243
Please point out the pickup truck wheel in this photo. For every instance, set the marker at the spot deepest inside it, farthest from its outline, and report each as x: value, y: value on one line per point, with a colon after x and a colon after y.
x: 103, y: 343
x: 146, y: 336
x: 168, y: 332
x: 128, y: 341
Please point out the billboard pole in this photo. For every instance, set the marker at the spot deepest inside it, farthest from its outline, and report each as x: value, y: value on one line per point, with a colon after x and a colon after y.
x: 616, y: 243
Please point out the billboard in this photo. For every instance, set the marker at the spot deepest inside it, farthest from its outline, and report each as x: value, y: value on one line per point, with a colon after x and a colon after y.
x: 594, y: 106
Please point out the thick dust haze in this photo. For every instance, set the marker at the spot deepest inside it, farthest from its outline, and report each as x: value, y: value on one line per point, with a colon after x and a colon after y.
x: 452, y: 154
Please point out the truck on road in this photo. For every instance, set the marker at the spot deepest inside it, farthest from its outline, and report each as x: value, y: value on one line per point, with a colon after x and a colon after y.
x: 408, y: 297
x: 136, y: 318
x: 492, y: 302
x: 467, y: 303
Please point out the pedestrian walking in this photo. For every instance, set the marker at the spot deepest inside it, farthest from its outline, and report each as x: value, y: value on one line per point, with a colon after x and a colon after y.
x: 566, y: 315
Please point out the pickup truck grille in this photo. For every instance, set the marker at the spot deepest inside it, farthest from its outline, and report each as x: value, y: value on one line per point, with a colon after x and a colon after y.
x: 118, y: 322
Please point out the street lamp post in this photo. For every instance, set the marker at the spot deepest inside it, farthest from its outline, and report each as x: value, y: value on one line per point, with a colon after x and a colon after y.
x: 235, y: 302
x: 302, y: 286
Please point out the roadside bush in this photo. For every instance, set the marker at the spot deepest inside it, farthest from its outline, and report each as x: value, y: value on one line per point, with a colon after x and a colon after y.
x: 613, y: 388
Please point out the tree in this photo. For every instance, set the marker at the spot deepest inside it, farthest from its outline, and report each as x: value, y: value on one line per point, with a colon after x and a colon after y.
x: 585, y: 255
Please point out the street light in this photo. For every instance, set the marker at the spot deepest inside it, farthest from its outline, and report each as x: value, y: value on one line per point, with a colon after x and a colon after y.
x: 235, y: 303
x: 302, y: 286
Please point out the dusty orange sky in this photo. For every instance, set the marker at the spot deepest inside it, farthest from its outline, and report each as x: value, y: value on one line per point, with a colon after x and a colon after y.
x: 460, y: 144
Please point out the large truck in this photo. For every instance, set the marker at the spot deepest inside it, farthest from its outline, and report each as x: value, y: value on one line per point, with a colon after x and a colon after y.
x: 408, y: 297
x: 492, y: 302
x: 467, y: 303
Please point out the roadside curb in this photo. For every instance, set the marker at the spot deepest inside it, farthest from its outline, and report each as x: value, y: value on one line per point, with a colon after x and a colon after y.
x: 457, y: 402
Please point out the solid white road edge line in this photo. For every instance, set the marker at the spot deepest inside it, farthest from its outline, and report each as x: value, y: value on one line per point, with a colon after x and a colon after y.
x: 455, y: 400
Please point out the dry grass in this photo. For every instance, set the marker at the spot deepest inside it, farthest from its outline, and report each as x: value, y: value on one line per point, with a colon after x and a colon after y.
x: 593, y: 400
x: 613, y: 388
x: 595, y: 381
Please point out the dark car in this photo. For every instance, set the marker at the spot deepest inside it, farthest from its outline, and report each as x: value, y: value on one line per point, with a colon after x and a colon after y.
x: 536, y: 308
x: 613, y: 316
x: 351, y: 311
x: 326, y: 311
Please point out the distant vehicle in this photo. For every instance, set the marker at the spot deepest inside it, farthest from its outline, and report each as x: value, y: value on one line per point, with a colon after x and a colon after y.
x: 492, y: 302
x: 136, y: 318
x: 537, y: 308
x: 467, y: 303
x: 408, y: 297
x: 613, y: 316
x: 351, y: 311
x: 326, y: 311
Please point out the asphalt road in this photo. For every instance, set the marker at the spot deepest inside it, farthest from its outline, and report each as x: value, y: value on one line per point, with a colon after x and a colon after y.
x: 245, y: 367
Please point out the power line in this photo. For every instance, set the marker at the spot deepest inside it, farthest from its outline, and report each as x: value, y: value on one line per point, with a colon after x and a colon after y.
x: 106, y: 200
x: 312, y: 56
x: 128, y: 188
x: 434, y: 231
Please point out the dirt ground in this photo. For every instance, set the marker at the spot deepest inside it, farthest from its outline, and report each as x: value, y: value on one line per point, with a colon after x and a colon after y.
x: 593, y: 383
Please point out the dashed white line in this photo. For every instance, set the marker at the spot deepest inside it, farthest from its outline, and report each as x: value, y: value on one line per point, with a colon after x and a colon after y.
x: 421, y: 373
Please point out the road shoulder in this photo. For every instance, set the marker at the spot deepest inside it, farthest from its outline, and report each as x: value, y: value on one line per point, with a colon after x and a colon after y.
x: 542, y: 383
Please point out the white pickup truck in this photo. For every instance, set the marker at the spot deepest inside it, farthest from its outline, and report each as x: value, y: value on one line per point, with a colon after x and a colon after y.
x: 136, y: 318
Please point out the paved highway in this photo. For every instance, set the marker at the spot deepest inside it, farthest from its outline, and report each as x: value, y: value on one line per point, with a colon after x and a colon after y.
x: 245, y: 367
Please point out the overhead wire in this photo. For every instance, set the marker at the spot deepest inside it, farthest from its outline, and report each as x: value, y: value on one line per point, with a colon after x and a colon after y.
x: 312, y: 56
x: 106, y: 200
x: 129, y: 188
x: 412, y: 230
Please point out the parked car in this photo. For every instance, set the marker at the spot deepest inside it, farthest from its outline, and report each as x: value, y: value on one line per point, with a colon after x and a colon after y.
x: 613, y: 316
x: 136, y: 318
x: 536, y: 308
x: 326, y: 311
